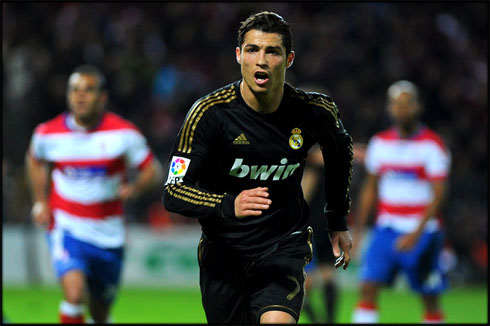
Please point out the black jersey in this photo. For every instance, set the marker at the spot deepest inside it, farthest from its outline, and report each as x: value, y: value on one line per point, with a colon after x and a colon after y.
x: 225, y: 147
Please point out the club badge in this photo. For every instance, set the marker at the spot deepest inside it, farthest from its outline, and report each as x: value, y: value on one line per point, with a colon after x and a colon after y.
x: 296, y: 140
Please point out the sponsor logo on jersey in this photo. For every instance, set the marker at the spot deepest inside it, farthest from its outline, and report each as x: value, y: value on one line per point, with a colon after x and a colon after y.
x: 296, y: 140
x: 401, y: 175
x: 241, y: 140
x: 263, y: 172
x: 85, y: 172
x: 177, y: 170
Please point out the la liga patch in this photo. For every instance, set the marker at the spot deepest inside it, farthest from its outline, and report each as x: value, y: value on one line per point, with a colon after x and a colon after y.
x: 177, y: 169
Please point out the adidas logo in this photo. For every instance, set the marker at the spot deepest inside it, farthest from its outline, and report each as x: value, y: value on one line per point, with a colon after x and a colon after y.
x: 241, y: 140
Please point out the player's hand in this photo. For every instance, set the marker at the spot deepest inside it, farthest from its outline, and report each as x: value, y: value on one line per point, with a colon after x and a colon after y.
x: 407, y: 242
x: 41, y: 213
x: 341, y: 246
x: 252, y: 202
x: 127, y: 191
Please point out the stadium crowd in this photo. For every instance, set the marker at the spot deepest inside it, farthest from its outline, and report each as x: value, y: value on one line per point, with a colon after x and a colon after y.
x: 160, y: 57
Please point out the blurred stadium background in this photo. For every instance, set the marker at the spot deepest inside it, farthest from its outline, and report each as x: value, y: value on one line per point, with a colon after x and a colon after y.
x: 160, y: 57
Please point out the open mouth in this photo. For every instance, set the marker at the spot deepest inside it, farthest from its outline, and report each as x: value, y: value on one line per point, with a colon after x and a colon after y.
x: 261, y: 77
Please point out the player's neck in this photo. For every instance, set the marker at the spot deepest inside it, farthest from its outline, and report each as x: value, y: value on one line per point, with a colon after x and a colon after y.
x: 261, y: 102
x: 87, y: 123
x: 408, y: 130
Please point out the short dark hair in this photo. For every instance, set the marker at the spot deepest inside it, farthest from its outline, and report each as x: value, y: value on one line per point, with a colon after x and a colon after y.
x: 267, y: 22
x: 92, y: 70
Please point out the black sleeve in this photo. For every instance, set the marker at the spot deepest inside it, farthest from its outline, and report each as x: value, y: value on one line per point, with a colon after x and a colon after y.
x: 181, y: 193
x: 337, y: 150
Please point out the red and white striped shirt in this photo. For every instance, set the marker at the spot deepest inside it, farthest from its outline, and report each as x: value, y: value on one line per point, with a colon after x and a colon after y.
x: 88, y: 168
x: 406, y: 167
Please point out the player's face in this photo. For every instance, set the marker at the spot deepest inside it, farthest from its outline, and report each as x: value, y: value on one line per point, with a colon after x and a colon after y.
x: 404, y: 109
x: 85, y: 99
x: 263, y: 61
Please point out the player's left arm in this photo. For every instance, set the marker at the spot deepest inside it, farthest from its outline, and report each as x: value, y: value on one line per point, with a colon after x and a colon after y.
x: 437, y: 166
x: 149, y: 177
x: 409, y: 240
x: 139, y: 156
x: 337, y: 150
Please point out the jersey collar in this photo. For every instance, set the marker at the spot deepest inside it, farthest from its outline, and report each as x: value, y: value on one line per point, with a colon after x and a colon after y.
x: 418, y: 130
x: 72, y: 124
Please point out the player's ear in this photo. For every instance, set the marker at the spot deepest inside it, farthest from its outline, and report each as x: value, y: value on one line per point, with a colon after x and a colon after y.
x: 290, y: 59
x: 238, y: 55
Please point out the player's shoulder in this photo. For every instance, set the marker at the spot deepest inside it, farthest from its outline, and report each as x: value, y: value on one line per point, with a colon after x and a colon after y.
x: 312, y: 99
x: 425, y: 135
x: 429, y: 135
x: 112, y: 121
x: 55, y: 125
x: 382, y: 138
x: 313, y: 102
x: 386, y: 134
x: 218, y: 98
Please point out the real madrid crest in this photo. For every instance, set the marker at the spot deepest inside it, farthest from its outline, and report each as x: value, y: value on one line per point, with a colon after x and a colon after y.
x: 296, y: 140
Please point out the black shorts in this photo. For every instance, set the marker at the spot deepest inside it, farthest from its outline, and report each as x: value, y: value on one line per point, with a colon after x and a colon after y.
x: 238, y: 290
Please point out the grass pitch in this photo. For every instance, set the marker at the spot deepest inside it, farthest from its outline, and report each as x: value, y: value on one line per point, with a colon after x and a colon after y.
x: 39, y: 304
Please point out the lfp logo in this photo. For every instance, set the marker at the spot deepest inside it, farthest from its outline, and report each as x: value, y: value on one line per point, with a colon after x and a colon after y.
x: 178, y: 166
x: 177, y: 169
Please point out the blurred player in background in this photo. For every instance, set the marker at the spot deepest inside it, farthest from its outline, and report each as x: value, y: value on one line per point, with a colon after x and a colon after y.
x: 237, y: 165
x: 407, y: 167
x: 321, y: 269
x: 322, y: 266
x: 83, y: 157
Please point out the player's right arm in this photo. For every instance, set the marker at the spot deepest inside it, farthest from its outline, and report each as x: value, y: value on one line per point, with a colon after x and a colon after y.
x: 38, y: 173
x: 181, y: 193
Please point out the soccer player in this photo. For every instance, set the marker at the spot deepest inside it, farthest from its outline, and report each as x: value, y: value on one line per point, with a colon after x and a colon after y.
x: 83, y: 156
x: 322, y: 266
x: 407, y: 167
x: 237, y: 165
